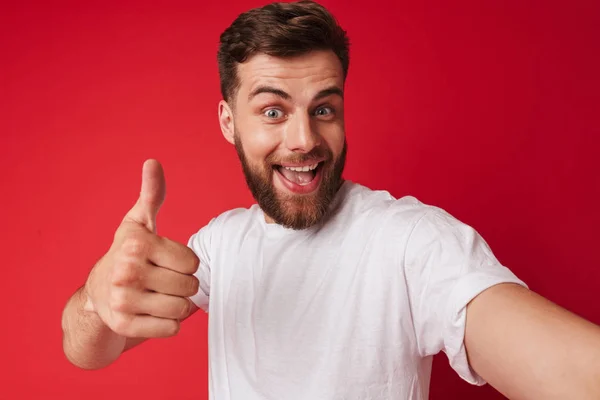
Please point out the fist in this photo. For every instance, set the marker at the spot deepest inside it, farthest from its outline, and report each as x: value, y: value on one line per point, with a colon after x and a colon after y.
x: 140, y: 287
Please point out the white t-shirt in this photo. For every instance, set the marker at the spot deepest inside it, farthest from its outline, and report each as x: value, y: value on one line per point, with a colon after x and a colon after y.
x: 353, y: 308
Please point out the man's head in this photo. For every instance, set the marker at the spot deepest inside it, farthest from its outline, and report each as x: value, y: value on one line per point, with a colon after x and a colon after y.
x: 283, y: 69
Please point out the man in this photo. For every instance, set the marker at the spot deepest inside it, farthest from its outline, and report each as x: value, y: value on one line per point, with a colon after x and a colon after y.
x: 324, y: 289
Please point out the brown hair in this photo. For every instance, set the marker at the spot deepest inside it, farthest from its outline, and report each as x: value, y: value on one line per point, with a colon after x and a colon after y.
x: 280, y: 30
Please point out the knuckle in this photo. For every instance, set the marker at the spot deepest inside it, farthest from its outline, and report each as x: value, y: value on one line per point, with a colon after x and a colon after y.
x: 125, y: 272
x: 184, y: 308
x: 193, y: 286
x: 172, y: 327
x: 189, y: 261
x: 134, y: 246
x: 195, y: 262
x: 119, y: 300
x: 121, y: 325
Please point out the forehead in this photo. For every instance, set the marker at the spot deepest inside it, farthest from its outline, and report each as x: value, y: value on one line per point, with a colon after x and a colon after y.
x: 306, y: 73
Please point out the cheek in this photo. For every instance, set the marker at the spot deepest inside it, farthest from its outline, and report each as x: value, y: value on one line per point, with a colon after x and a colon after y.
x: 334, y: 137
x: 258, y: 142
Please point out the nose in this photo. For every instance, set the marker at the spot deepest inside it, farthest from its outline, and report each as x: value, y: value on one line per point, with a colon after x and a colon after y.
x: 301, y: 136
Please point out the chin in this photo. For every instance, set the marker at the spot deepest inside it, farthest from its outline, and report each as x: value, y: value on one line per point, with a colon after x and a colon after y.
x: 298, y: 211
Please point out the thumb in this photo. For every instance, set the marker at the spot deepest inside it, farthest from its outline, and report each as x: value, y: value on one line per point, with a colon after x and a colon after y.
x: 152, y: 196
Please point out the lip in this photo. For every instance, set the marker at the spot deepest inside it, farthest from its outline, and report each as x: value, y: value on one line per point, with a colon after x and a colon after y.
x: 302, y: 164
x: 294, y: 187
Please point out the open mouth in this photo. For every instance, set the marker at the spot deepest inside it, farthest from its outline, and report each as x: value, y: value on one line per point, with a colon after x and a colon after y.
x: 299, y: 179
x: 301, y: 176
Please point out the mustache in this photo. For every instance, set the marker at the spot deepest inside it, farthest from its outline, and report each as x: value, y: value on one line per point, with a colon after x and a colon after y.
x: 313, y: 155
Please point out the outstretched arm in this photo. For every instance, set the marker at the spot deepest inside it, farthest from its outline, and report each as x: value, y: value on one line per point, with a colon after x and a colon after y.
x: 529, y: 348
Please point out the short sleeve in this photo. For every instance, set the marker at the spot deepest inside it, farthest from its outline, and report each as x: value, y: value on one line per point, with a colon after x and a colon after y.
x: 447, y: 264
x: 200, y: 243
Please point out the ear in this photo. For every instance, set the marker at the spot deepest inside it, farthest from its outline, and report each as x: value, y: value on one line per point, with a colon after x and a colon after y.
x: 226, y: 121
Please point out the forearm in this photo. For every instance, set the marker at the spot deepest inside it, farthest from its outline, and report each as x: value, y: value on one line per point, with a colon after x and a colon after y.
x: 87, y: 342
x: 529, y: 348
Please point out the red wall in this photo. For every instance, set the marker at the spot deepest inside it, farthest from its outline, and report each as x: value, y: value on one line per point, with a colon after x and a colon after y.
x: 490, y: 111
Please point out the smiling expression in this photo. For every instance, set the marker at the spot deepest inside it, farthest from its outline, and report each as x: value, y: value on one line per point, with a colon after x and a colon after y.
x: 287, y: 124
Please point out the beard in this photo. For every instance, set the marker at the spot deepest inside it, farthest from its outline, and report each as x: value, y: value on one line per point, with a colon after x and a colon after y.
x: 289, y: 210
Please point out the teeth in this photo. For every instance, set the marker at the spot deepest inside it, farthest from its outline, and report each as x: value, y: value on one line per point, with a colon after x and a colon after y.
x: 306, y: 168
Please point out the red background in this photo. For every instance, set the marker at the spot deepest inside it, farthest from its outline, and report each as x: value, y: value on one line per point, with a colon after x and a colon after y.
x: 490, y: 111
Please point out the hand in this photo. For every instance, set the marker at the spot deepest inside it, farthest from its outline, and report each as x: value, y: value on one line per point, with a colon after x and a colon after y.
x: 139, y: 288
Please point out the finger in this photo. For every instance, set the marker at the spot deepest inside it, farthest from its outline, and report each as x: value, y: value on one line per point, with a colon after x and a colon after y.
x: 152, y: 196
x: 166, y: 281
x: 174, y: 256
x: 135, y: 302
x: 143, y: 326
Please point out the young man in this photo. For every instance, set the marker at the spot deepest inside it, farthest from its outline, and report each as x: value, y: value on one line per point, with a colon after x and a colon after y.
x: 324, y: 289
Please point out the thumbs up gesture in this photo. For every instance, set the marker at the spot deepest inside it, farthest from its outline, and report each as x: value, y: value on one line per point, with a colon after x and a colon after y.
x: 140, y: 287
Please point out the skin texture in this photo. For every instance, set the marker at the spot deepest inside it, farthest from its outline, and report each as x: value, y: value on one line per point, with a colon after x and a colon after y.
x: 530, y: 348
x: 137, y: 290
x: 296, y: 119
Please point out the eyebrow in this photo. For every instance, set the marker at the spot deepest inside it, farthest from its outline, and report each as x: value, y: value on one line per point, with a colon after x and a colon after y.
x: 269, y: 89
x: 329, y: 91
x: 285, y: 96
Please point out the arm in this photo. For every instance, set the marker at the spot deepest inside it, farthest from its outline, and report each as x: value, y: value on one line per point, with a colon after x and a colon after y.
x: 139, y: 289
x: 529, y: 348
x: 88, y: 342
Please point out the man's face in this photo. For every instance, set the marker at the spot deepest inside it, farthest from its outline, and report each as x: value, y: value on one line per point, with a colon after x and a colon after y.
x: 288, y: 130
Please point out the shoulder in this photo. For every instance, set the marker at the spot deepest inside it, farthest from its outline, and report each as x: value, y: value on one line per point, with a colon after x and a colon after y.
x: 384, y: 209
x: 227, y: 223
x: 236, y: 218
x: 405, y: 219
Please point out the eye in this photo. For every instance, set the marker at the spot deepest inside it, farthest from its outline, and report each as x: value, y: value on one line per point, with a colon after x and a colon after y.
x: 273, y: 113
x: 324, y: 111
